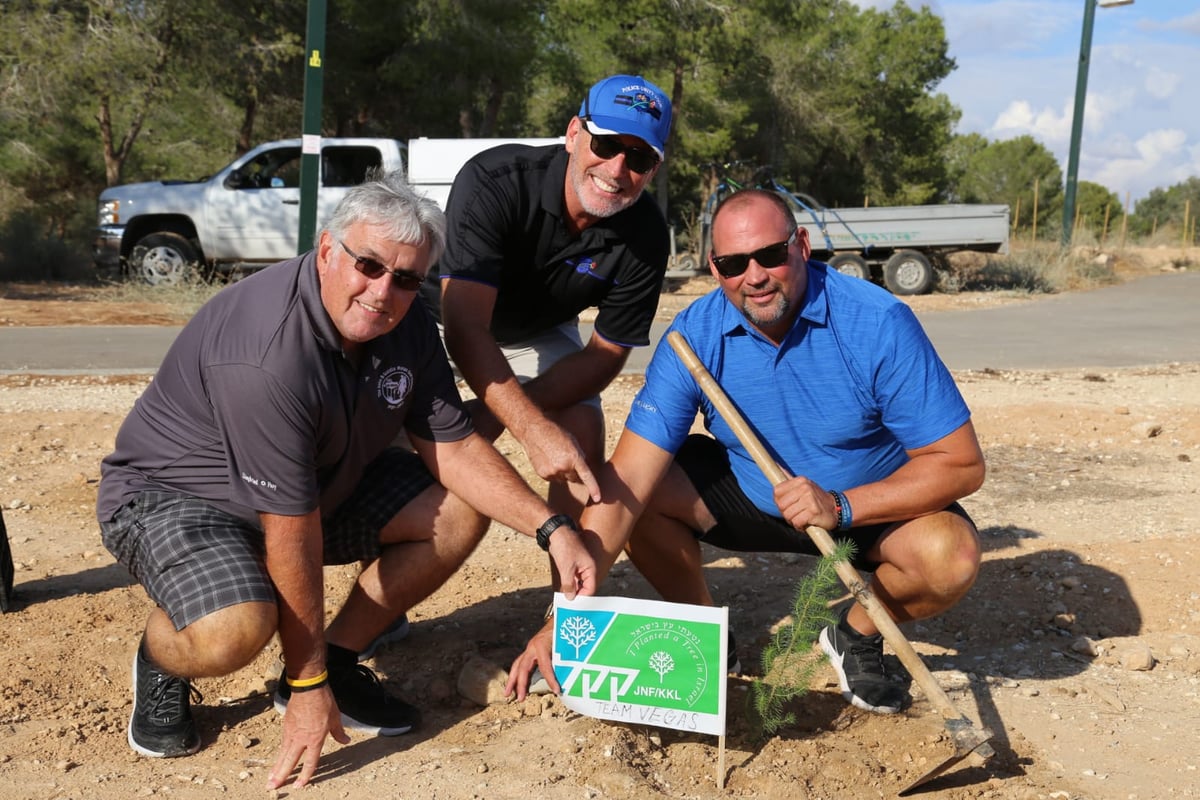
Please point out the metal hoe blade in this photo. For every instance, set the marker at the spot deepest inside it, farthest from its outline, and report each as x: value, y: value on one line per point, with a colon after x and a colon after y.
x: 968, y: 741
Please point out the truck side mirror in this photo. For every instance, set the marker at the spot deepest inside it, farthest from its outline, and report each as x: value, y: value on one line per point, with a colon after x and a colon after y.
x: 236, y: 179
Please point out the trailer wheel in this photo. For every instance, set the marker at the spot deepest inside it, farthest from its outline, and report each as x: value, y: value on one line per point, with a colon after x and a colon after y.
x: 851, y: 264
x: 908, y: 272
x: 162, y: 259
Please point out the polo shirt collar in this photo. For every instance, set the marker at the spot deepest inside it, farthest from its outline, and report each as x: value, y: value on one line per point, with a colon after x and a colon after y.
x: 309, y: 286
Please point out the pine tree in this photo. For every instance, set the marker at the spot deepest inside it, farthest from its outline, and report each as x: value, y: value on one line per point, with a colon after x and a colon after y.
x: 789, y: 661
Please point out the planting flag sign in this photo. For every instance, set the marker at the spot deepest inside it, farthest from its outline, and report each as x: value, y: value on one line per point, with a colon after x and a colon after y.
x: 642, y: 661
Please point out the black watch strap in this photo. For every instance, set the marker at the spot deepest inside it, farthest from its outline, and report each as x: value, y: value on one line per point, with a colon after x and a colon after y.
x: 550, y: 526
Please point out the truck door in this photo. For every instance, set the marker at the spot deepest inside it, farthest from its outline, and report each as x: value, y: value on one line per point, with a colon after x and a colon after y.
x: 257, y: 215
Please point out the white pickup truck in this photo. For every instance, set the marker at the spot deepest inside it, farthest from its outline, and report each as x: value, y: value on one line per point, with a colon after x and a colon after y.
x: 247, y: 215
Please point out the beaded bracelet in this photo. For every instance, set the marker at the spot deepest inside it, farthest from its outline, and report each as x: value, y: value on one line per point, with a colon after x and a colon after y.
x: 844, y: 515
x: 308, y: 684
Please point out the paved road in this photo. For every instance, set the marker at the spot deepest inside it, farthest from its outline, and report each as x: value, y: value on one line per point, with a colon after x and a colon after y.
x: 1153, y: 320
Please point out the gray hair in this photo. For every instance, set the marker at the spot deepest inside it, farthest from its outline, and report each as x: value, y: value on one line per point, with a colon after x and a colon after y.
x: 387, y: 199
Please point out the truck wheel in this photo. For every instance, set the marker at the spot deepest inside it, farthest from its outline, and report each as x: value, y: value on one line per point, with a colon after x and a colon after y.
x: 851, y: 264
x: 908, y: 272
x: 162, y: 259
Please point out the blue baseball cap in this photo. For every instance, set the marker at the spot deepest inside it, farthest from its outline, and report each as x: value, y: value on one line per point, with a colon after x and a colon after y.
x: 628, y: 105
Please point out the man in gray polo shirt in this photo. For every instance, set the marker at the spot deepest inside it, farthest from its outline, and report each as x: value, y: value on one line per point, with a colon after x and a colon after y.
x: 261, y: 451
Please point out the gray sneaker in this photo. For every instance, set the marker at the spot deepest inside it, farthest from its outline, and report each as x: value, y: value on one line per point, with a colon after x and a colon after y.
x: 393, y: 633
x: 161, y: 725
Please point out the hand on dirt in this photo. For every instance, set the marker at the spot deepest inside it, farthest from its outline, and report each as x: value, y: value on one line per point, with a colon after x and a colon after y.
x: 537, y: 654
x: 310, y: 716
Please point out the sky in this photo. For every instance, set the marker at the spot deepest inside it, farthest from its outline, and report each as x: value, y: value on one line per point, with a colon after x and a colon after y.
x: 1017, y: 66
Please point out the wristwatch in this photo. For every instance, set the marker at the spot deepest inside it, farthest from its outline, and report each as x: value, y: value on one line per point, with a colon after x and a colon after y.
x: 550, y: 526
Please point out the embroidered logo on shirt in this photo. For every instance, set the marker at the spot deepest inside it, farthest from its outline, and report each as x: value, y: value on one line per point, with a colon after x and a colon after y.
x: 585, y: 265
x: 582, y: 265
x: 394, y: 386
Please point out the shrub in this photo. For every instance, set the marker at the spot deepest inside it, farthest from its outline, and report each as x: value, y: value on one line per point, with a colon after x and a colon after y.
x: 28, y: 252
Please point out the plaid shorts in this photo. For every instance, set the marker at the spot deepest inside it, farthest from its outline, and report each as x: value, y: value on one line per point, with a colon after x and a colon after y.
x: 194, y: 559
x: 743, y: 527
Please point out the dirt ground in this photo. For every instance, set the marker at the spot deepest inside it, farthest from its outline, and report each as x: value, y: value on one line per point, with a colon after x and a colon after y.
x: 1079, y: 647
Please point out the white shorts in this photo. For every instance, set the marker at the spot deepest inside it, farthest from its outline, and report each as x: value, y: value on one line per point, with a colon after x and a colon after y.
x: 533, y: 356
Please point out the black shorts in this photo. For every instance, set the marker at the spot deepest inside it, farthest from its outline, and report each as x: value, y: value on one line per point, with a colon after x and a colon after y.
x: 194, y: 559
x: 741, y: 526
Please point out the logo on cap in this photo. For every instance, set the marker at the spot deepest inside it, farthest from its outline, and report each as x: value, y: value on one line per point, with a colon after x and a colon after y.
x: 641, y: 101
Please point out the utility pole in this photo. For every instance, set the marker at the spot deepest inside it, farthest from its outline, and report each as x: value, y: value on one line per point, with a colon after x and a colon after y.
x: 310, y: 148
x: 1085, y: 54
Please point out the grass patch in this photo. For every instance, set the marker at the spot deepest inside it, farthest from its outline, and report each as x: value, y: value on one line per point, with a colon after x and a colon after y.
x: 177, y: 303
x: 1040, y: 268
x: 185, y: 297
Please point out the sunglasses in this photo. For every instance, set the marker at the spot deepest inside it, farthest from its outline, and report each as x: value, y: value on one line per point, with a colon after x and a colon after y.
x: 638, y: 159
x: 403, y: 280
x: 735, y: 264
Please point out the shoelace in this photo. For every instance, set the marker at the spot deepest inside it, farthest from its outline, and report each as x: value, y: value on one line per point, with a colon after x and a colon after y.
x: 168, y: 696
x: 365, y: 672
x: 868, y: 656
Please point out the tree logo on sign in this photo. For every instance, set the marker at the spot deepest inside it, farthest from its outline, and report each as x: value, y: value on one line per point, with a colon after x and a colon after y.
x: 662, y: 663
x: 577, y: 631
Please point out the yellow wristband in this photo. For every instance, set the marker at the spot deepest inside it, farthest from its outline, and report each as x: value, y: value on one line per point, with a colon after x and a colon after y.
x: 305, y: 683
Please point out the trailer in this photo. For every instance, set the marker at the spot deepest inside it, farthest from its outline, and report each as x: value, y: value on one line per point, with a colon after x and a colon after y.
x: 899, y: 247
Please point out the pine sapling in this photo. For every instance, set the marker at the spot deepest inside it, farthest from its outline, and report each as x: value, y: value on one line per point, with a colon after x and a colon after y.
x: 789, y: 660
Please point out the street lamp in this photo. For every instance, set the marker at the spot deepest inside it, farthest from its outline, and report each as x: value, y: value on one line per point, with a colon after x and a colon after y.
x: 1085, y: 51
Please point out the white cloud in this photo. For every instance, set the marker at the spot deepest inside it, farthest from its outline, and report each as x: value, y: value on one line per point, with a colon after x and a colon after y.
x: 1189, y: 23
x: 1020, y: 118
x: 1005, y: 26
x: 1160, y: 83
x: 1103, y: 108
x: 1157, y: 145
x: 1160, y: 152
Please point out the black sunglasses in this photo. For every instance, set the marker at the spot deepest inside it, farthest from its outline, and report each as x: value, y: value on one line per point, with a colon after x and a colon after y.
x: 638, y: 159
x: 735, y: 264
x: 403, y: 280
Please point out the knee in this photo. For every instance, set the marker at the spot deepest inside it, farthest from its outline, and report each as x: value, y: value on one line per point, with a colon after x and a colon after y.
x: 229, y: 639
x: 956, y: 565
x: 586, y: 424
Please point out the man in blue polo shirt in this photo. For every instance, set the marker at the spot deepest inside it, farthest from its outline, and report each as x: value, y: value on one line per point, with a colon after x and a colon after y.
x: 846, y: 391
x: 536, y: 235
x: 262, y: 451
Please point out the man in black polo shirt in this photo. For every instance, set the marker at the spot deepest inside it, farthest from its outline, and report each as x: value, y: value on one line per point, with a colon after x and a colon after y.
x: 536, y: 235
x: 261, y: 451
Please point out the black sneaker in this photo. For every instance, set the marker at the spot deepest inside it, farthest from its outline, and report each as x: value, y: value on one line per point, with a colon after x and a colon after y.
x: 161, y: 725
x: 858, y: 662
x: 365, y: 705
x: 733, y: 664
